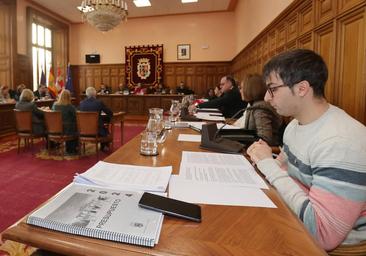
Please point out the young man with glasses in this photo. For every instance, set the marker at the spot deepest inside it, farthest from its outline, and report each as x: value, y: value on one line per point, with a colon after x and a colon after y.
x: 321, y: 171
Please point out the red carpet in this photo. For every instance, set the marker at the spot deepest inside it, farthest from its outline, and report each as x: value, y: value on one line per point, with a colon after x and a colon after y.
x: 27, y: 181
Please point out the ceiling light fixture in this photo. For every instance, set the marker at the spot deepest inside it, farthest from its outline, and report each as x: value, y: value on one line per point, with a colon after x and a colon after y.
x: 103, y: 14
x: 142, y: 3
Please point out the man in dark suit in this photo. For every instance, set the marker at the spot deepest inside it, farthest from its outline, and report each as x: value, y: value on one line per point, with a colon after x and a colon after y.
x: 230, y: 101
x: 91, y: 103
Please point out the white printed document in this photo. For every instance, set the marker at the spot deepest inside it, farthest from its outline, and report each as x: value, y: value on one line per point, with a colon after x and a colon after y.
x: 189, y: 137
x: 127, y: 177
x: 198, y: 126
x: 197, y: 193
x: 217, y: 168
x: 210, y: 116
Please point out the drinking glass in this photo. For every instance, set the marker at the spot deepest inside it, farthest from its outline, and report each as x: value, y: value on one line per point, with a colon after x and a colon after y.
x: 174, y: 110
x: 149, y: 145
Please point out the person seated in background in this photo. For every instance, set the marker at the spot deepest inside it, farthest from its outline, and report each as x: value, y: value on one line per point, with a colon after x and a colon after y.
x: 160, y: 89
x: 150, y: 89
x: 41, y: 93
x: 5, y: 96
x: 122, y: 89
x: 138, y: 89
x: 218, y: 92
x: 104, y: 89
x: 259, y: 115
x: 183, y: 89
x: 68, y: 112
x: 230, y: 102
x: 18, y: 92
x: 210, y: 94
x: 321, y: 170
x: 91, y: 104
x: 26, y: 103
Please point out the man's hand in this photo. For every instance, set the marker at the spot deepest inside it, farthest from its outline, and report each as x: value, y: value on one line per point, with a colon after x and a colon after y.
x: 259, y: 150
x: 192, y: 109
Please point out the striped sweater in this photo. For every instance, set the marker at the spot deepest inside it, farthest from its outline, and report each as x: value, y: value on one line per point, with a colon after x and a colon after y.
x: 321, y: 175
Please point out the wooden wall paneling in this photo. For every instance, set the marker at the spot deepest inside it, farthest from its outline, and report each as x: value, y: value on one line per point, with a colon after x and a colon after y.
x: 151, y: 102
x: 292, y: 27
x: 351, y: 64
x: 23, y: 71
x: 325, y: 43
x: 280, y: 35
x: 121, y: 74
x: 7, y: 44
x: 344, y: 5
x: 97, y: 76
x: 81, y: 78
x: 135, y: 105
x: 169, y: 74
x: 291, y: 45
x: 114, y: 78
x: 306, y: 17
x: 325, y: 10
x: 119, y: 104
x: 106, y: 76
x: 306, y: 41
x: 272, y: 41
x: 179, y: 76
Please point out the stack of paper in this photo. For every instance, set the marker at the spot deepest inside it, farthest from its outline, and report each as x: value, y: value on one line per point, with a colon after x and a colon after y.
x: 214, y: 178
x: 126, y: 177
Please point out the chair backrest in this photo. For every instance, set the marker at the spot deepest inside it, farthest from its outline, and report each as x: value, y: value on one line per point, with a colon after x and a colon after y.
x: 23, y: 120
x: 87, y: 123
x: 53, y: 120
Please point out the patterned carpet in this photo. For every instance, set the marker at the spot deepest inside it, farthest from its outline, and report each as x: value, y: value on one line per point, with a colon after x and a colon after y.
x: 33, y: 176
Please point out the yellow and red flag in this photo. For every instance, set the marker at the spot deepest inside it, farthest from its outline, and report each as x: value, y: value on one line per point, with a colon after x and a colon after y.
x: 51, y: 84
x: 59, y: 81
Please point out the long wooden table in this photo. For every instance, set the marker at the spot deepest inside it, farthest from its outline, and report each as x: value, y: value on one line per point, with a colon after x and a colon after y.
x: 225, y: 230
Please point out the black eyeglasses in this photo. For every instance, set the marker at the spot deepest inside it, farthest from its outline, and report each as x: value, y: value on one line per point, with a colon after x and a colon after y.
x: 272, y: 89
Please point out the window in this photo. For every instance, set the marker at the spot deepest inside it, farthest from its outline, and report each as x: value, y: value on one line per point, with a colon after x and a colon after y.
x: 41, y: 53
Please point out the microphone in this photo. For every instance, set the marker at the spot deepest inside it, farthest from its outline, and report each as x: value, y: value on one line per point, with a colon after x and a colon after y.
x: 209, y: 139
x: 222, y: 127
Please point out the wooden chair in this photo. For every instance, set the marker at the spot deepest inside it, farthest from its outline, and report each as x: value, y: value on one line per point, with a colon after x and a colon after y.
x: 55, y: 131
x: 87, y: 123
x: 350, y: 250
x: 23, y: 122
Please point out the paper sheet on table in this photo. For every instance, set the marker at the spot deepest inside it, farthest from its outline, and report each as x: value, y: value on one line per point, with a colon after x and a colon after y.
x: 209, y: 109
x: 198, y: 125
x: 133, y: 177
x: 189, y: 137
x: 217, y: 168
x: 217, y: 194
x: 209, y: 116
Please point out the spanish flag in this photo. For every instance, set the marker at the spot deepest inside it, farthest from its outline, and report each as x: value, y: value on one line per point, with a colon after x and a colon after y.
x: 51, y: 84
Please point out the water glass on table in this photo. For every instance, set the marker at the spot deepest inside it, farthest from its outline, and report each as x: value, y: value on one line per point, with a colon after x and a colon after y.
x: 149, y: 145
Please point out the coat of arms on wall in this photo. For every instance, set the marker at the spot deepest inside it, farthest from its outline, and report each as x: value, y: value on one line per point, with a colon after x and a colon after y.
x: 144, y: 64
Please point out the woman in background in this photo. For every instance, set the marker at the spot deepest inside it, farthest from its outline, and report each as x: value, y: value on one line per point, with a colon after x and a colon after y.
x: 26, y: 103
x: 5, y: 96
x: 259, y: 115
x: 68, y: 112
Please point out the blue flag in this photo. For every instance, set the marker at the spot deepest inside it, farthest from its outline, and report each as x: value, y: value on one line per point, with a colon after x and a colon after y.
x: 69, y: 85
x: 43, y: 78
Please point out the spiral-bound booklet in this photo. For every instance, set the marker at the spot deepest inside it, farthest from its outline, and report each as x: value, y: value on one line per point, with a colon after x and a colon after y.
x: 100, y: 213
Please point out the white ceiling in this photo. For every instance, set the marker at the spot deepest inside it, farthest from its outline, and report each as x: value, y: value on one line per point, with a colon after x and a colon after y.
x: 67, y: 8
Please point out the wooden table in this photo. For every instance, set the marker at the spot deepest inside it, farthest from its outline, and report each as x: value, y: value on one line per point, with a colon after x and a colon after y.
x: 225, y: 230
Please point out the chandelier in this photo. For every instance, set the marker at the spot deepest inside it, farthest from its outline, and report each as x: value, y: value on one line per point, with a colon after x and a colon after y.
x: 103, y: 14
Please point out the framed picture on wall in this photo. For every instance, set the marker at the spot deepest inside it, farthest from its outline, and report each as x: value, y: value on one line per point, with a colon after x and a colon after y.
x: 183, y: 51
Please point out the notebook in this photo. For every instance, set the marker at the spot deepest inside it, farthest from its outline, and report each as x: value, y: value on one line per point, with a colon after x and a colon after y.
x: 100, y: 213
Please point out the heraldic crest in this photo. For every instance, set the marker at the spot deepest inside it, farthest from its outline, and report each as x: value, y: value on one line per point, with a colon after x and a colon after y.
x: 144, y: 65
